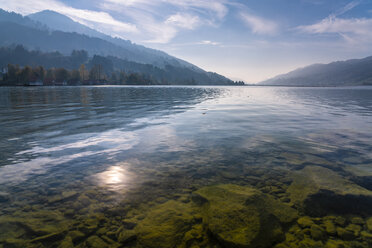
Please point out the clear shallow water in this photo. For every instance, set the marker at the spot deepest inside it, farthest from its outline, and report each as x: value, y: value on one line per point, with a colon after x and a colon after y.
x: 71, y: 157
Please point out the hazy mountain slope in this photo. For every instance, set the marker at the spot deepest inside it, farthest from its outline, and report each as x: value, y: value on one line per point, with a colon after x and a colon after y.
x: 341, y: 73
x: 57, y: 21
x: 16, y: 18
x: 18, y: 55
x: 22, y: 30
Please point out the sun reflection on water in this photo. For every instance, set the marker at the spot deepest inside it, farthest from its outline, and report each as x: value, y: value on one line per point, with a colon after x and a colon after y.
x: 114, y: 178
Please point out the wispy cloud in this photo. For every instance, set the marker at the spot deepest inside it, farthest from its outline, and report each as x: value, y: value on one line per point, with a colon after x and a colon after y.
x: 186, y: 21
x: 96, y: 19
x: 352, y: 30
x: 159, y: 26
x: 208, y: 42
x: 346, y: 8
x: 259, y: 25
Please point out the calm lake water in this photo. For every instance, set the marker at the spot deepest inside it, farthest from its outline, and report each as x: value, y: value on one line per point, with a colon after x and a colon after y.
x: 185, y: 167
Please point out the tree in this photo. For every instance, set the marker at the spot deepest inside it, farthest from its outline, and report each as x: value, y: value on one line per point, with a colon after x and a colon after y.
x: 49, y: 77
x: 75, y: 77
x: 62, y: 75
x: 114, y: 78
x: 12, y: 73
x: 82, y: 72
x: 94, y: 73
x: 38, y: 73
x: 25, y: 75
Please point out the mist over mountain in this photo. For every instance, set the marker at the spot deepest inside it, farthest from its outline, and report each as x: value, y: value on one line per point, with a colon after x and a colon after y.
x: 49, y: 31
x: 341, y: 73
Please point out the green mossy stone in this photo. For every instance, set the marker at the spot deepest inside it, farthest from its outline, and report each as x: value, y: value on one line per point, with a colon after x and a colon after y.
x: 243, y: 216
x: 66, y: 243
x: 369, y: 224
x: 357, y: 220
x: 310, y: 243
x: 318, y: 233
x: 126, y: 236
x: 341, y: 221
x: 330, y: 227
x: 366, y: 235
x: 345, y: 234
x: 335, y: 244
x: 96, y: 242
x: 76, y: 236
x: 317, y: 191
x: 305, y: 222
x: 49, y: 237
x: 354, y: 228
x: 14, y: 243
x: 290, y: 238
x: 165, y: 224
x: 194, y: 236
x: 297, y: 232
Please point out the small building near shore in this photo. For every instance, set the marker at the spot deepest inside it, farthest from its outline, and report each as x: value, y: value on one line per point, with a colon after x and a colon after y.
x: 37, y: 83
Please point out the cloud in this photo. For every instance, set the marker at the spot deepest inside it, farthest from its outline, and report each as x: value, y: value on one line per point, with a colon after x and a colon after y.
x: 208, y: 42
x: 96, y: 19
x: 346, y: 8
x: 160, y: 21
x: 351, y: 30
x: 259, y: 25
x: 183, y: 20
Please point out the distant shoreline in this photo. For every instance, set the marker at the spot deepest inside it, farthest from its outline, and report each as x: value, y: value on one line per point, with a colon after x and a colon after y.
x: 186, y: 85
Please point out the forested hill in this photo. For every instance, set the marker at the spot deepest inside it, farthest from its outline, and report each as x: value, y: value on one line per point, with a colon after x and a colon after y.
x: 341, y: 73
x: 34, y: 35
x: 84, y: 69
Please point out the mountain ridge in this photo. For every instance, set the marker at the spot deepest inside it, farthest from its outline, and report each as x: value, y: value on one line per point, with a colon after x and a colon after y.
x: 34, y: 35
x: 338, y: 73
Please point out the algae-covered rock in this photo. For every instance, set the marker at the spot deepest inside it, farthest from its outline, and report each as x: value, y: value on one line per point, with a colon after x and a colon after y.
x: 96, y: 242
x: 341, y: 221
x: 126, y: 236
x: 310, y: 243
x: 243, y: 216
x: 49, y: 237
x: 305, y: 222
x: 165, y: 224
x: 14, y: 243
x: 319, y: 191
x: 369, y: 224
x: 357, y: 220
x: 366, y: 235
x: 76, y: 236
x: 335, y: 244
x: 66, y: 243
x: 330, y: 227
x: 345, y: 234
x: 354, y: 228
x: 318, y: 233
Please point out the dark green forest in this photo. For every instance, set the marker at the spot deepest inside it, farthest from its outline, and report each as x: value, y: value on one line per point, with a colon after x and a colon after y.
x: 23, y: 67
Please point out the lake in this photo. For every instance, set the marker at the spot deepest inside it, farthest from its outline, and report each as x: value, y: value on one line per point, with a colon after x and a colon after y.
x: 185, y: 167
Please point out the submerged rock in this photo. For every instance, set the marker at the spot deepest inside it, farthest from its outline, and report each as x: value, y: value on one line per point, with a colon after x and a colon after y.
x: 319, y: 191
x: 369, y: 224
x: 4, y: 197
x: 243, y: 216
x: 96, y: 242
x: 166, y: 224
x: 305, y: 222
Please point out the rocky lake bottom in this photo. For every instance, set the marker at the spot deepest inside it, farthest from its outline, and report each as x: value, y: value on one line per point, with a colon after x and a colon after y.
x: 213, y: 167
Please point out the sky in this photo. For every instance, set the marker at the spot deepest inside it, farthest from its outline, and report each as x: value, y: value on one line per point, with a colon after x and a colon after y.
x: 249, y: 40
